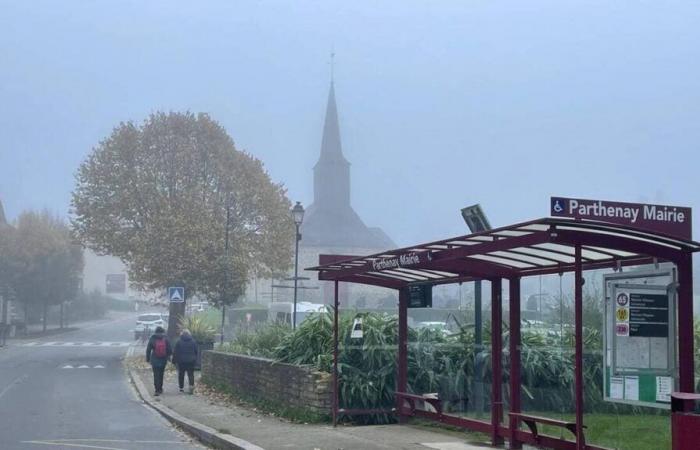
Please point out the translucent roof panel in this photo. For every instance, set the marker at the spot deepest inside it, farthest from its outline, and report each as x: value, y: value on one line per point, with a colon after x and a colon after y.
x: 524, y: 258
x: 502, y: 261
x: 545, y: 254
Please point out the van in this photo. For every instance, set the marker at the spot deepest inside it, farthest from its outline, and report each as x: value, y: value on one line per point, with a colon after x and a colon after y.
x: 282, y: 311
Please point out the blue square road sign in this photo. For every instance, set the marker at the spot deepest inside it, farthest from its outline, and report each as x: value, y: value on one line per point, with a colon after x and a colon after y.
x: 176, y: 294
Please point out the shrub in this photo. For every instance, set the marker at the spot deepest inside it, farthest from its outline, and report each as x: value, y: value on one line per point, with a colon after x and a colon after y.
x: 200, y: 325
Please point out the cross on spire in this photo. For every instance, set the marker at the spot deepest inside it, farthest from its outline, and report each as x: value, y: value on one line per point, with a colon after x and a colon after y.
x: 332, y: 64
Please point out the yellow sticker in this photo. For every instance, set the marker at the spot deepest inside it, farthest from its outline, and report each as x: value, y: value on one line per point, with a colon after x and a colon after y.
x: 623, y: 314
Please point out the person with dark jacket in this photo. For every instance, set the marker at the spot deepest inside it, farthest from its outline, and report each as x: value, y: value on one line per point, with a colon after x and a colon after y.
x: 158, y: 352
x: 185, y: 357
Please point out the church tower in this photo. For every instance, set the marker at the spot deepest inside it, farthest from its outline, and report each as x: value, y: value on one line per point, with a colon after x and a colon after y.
x: 330, y: 221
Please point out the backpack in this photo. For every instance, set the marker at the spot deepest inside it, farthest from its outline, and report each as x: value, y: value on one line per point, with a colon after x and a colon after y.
x: 160, y: 348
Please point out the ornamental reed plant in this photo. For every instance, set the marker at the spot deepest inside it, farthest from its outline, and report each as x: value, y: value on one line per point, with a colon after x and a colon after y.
x: 437, y: 363
x: 201, y: 326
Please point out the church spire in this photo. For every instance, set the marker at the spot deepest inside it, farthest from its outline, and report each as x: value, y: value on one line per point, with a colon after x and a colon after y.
x: 332, y: 171
x: 331, y: 146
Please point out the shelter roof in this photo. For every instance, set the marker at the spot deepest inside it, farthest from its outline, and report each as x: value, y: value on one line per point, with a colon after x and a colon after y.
x: 541, y: 246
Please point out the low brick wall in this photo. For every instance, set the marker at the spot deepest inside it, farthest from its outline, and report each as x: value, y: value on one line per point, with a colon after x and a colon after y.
x: 294, y: 386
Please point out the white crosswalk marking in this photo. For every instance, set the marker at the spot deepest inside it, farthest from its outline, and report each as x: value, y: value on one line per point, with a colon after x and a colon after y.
x: 76, y: 344
x: 83, y: 366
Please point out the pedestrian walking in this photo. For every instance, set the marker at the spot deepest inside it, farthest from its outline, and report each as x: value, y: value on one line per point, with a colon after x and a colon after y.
x: 185, y: 357
x: 158, y: 352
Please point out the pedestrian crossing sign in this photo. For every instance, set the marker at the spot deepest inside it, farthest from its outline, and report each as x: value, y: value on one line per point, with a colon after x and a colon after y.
x: 176, y: 294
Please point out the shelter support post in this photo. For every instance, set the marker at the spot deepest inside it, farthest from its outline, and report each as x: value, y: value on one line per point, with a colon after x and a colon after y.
x: 686, y: 369
x: 336, y: 392
x: 496, y: 350
x: 478, y: 388
x: 578, y: 366
x: 514, y: 346
x: 402, y: 354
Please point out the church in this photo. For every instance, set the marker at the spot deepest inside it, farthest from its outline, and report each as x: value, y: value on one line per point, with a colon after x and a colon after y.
x: 330, y: 226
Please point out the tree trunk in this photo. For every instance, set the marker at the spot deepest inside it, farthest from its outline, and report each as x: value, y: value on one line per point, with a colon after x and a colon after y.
x: 177, y: 310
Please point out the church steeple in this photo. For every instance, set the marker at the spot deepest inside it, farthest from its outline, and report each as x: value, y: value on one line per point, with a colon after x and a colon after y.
x: 330, y: 221
x: 332, y: 171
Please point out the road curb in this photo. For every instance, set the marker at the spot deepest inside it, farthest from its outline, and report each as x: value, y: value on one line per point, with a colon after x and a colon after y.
x: 202, y: 433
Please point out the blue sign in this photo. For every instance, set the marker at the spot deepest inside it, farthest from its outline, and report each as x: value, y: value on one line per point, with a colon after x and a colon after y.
x: 176, y: 294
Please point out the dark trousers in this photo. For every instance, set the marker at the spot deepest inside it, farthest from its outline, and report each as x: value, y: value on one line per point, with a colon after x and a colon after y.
x: 158, y: 378
x: 181, y: 369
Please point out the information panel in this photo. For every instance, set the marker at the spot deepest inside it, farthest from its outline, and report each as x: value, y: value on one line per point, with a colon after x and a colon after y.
x: 640, y: 366
x: 420, y: 295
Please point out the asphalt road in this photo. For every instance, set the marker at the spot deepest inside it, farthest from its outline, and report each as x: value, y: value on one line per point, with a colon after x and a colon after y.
x: 70, y: 391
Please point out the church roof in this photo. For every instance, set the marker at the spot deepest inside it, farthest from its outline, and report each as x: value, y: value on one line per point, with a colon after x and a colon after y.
x: 341, y: 228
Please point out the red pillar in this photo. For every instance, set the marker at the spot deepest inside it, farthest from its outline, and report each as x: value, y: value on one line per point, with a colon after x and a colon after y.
x: 335, y: 356
x: 578, y: 367
x: 402, y: 361
x: 686, y: 363
x: 496, y: 352
x: 514, y: 347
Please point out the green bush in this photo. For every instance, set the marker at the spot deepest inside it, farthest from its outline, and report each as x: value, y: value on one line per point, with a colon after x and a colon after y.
x: 261, y: 341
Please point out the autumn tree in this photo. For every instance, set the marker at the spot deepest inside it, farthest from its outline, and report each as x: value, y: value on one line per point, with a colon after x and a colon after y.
x: 43, y: 264
x: 164, y: 196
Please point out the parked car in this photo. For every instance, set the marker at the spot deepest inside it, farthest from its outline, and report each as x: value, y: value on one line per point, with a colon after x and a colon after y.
x: 194, y: 308
x: 146, y: 324
x: 282, y: 311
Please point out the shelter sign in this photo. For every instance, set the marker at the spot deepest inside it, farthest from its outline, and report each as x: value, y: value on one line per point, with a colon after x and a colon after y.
x: 640, y: 337
x: 666, y: 219
x: 420, y: 295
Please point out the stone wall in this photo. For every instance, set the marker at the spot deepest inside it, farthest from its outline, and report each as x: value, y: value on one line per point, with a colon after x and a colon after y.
x: 292, y: 386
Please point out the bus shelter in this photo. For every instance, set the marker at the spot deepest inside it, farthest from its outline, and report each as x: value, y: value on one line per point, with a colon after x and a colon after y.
x: 539, y: 247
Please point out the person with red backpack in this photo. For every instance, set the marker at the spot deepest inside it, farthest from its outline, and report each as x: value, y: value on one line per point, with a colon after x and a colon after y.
x: 158, y: 352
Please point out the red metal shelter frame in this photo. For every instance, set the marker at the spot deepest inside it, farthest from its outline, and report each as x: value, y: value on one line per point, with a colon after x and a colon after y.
x: 543, y: 246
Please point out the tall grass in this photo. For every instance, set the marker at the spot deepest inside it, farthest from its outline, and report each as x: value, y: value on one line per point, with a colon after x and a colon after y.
x: 446, y: 364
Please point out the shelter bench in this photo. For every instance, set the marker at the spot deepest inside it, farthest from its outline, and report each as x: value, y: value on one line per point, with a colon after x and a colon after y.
x: 431, y: 399
x: 532, y: 421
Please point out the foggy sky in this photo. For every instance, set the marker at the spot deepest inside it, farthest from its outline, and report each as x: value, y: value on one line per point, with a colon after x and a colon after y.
x: 441, y: 104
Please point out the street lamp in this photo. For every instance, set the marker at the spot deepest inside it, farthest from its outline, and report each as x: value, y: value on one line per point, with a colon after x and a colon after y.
x: 298, y: 216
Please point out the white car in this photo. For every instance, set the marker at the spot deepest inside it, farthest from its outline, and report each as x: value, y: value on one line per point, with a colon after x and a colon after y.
x: 146, y: 324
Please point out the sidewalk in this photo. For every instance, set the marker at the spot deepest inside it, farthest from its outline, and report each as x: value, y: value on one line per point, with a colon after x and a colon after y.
x: 269, y: 432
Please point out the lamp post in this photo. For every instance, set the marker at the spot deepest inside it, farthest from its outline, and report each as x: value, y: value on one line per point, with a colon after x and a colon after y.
x: 223, y: 297
x: 298, y: 216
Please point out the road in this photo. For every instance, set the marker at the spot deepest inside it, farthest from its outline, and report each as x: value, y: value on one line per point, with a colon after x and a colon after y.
x: 70, y: 391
